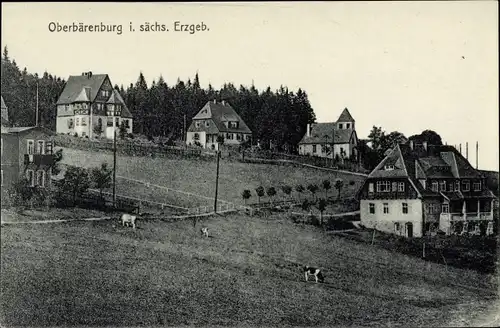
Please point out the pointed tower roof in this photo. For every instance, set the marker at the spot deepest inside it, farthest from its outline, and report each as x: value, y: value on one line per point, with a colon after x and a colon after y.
x: 345, y: 116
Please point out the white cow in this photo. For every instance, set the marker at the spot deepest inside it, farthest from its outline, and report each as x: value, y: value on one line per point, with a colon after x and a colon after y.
x: 128, y: 220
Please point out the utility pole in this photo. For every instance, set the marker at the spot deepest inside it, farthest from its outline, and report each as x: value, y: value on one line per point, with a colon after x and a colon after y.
x: 217, y: 182
x: 477, y: 154
x: 114, y: 166
x: 36, y: 117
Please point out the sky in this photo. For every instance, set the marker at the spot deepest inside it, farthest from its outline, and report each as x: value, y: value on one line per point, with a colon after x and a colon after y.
x: 403, y: 66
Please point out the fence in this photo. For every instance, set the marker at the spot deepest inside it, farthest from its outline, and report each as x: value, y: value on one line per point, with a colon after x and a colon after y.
x: 94, y: 201
x: 308, y: 160
x: 128, y: 147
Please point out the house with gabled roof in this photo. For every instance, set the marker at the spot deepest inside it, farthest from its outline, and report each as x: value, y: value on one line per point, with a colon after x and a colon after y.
x: 217, y: 121
x: 89, y: 106
x: 418, y: 189
x: 321, y: 138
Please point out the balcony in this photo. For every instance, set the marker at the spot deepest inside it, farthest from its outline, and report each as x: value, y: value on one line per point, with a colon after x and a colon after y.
x: 470, y: 216
x: 38, y: 159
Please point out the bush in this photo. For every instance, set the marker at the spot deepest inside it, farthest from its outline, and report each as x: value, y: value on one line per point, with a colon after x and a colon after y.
x: 131, y: 136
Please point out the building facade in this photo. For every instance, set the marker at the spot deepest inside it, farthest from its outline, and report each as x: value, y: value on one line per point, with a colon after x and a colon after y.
x: 334, y: 140
x: 26, y: 152
x: 89, y: 106
x: 420, y: 189
x: 215, y: 122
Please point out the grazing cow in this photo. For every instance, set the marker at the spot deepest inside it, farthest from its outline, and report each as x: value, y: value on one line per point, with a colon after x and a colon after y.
x: 204, y: 231
x: 128, y: 220
x: 313, y: 272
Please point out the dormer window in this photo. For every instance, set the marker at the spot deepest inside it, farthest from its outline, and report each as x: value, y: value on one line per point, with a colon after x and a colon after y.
x: 435, y: 186
x: 207, y: 123
x: 389, y: 167
x: 340, y: 126
x: 457, y: 185
x: 477, y: 186
x: 465, y: 185
x: 348, y: 126
x: 442, y: 186
x: 197, y: 124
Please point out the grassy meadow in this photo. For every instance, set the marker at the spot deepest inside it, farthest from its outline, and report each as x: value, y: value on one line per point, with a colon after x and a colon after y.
x: 198, y: 177
x: 246, y: 273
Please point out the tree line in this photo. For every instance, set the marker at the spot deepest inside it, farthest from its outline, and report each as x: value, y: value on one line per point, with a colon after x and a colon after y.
x: 276, y: 117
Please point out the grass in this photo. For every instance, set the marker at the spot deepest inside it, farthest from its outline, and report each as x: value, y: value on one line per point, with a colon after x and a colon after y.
x: 246, y: 273
x: 198, y: 176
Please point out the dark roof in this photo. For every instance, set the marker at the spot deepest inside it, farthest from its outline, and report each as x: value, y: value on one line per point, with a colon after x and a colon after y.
x: 219, y: 113
x: 345, y: 116
x: 5, y: 114
x: 432, y: 161
x: 320, y: 130
x: 77, y: 83
x: 22, y: 129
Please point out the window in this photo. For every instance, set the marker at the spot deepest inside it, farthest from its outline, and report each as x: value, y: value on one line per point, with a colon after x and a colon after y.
x: 48, y: 147
x: 383, y: 186
x: 370, y: 187
x: 389, y: 167
x: 207, y: 123
x: 396, y: 227
x: 70, y: 123
x: 442, y: 186
x: 197, y: 124
x: 117, y: 121
x: 386, y: 208
x: 84, y: 133
x: 84, y: 121
x: 372, y: 208
x: 435, y: 186
x: 340, y: 126
x: 31, y: 147
x: 465, y: 185
x: 451, y: 186
x: 405, y: 208
x: 30, y: 175
x: 40, y: 178
x: 77, y: 121
x: 127, y: 123
x: 347, y: 126
x: 40, y: 149
x: 445, y: 208
x: 314, y: 148
x: 401, y: 187
x: 109, y: 122
x: 196, y: 136
x: 394, y: 186
x: 477, y: 186
x: 457, y: 185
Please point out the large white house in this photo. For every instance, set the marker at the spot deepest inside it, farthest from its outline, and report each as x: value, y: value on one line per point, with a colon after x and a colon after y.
x: 419, y: 188
x: 214, y: 122
x: 341, y: 135
x: 91, y: 91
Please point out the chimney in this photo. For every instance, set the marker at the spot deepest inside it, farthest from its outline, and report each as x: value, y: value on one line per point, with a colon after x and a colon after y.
x: 411, y: 144
x: 425, y: 145
x: 308, y: 132
x: 460, y: 148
